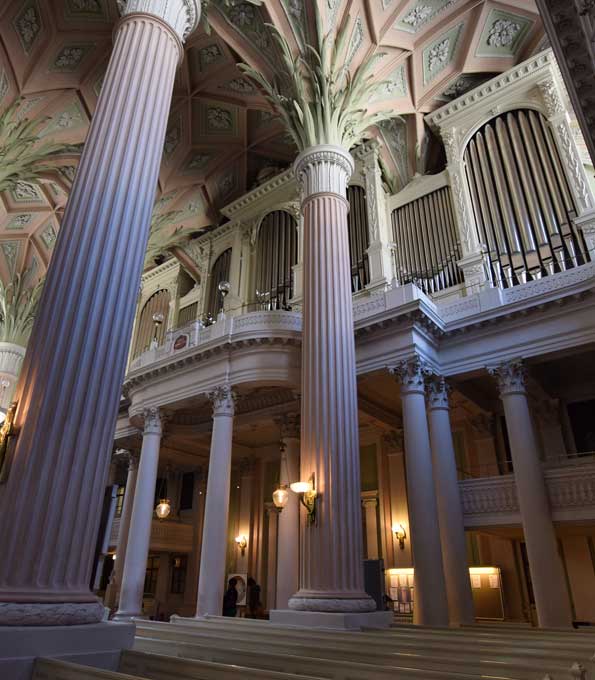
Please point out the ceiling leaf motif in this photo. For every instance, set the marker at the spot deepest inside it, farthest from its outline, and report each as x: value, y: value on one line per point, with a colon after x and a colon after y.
x: 87, y: 8
x: 3, y: 84
x: 208, y: 55
x: 70, y: 57
x: 28, y: 25
x: 502, y: 34
x: 24, y: 192
x: 48, y: 236
x: 414, y: 18
x: 197, y: 162
x: 11, y: 251
x: 439, y: 54
x: 357, y: 38
x: 394, y: 86
x: 19, y: 222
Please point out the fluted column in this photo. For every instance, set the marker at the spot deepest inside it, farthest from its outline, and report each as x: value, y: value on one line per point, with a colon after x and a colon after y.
x: 211, y: 583
x: 272, y: 554
x: 430, y: 607
x: 331, y: 574
x: 288, y: 554
x: 11, y: 360
x: 113, y: 589
x: 370, y: 505
x: 69, y: 390
x: 547, y: 573
x: 452, y: 530
x: 141, y: 520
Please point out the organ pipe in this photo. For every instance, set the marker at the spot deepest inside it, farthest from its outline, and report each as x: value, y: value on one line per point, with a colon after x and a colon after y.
x: 219, y: 273
x: 158, y: 303
x: 522, y: 203
x: 426, y: 242
x: 276, y: 254
x: 359, y: 237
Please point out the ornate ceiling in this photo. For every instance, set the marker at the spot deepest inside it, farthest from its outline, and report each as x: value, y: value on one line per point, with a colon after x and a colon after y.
x: 222, y: 136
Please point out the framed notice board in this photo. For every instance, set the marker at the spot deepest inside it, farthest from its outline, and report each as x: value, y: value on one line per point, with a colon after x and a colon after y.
x: 486, y: 586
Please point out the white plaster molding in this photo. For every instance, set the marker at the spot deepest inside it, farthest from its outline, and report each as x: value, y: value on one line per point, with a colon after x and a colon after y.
x: 223, y: 399
x: 153, y: 421
x: 182, y: 16
x: 324, y: 169
x: 411, y: 374
x: 278, y: 188
x: 437, y: 392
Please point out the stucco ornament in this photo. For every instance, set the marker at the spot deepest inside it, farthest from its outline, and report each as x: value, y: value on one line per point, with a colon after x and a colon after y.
x: 337, y: 114
x: 18, y: 305
x: 240, y: 10
x: 503, y: 32
x: 182, y: 15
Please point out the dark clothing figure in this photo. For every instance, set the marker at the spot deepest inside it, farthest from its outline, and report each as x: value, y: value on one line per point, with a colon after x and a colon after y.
x: 254, y: 610
x: 230, y: 599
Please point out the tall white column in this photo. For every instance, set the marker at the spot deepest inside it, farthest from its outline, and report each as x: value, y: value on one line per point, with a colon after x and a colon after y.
x: 70, y: 385
x: 139, y: 534
x: 272, y: 556
x: 113, y: 589
x: 211, y: 583
x: 370, y: 505
x: 547, y: 573
x: 452, y: 530
x: 331, y: 574
x: 430, y: 604
x: 11, y: 360
x: 289, y: 519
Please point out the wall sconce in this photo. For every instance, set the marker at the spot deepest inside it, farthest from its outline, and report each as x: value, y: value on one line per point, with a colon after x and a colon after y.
x: 400, y: 534
x: 242, y: 542
x: 307, y: 493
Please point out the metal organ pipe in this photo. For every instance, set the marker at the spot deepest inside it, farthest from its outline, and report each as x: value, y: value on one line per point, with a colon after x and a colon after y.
x: 427, y: 247
x: 276, y: 253
x: 521, y: 199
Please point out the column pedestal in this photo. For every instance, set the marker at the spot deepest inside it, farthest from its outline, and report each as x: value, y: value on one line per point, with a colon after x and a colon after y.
x: 137, y: 549
x: 430, y: 606
x: 448, y: 497
x: 211, y: 583
x: 547, y: 573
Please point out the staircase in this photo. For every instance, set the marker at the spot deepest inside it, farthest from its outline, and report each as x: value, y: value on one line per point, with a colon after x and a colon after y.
x: 223, y: 649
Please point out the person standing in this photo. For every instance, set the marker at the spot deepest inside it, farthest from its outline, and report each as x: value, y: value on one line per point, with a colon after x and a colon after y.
x: 230, y: 599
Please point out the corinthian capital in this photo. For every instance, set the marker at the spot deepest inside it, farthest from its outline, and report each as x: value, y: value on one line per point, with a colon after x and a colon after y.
x: 181, y: 15
x: 323, y: 169
x: 411, y: 374
x: 153, y: 422
x: 438, y: 390
x: 552, y: 97
x: 223, y: 400
x: 511, y: 377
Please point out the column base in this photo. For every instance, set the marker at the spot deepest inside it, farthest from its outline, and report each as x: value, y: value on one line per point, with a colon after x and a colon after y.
x: 331, y: 620
x: 97, y: 645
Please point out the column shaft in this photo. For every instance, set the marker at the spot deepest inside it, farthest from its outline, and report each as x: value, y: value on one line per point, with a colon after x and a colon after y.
x: 70, y: 385
x: 211, y: 583
x: 113, y: 589
x: 289, y: 526
x: 139, y: 535
x: 430, y: 604
x: 452, y: 530
x: 547, y: 573
x: 331, y: 576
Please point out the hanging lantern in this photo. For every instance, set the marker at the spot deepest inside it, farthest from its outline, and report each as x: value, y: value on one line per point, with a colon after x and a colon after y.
x: 280, y: 497
x: 163, y: 508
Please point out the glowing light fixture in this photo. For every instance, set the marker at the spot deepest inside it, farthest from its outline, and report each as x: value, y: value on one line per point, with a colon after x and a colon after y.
x: 242, y: 543
x: 308, y: 495
x: 280, y: 497
x: 163, y: 508
x: 400, y: 534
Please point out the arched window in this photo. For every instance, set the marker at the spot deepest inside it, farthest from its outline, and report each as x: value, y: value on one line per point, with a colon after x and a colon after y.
x: 521, y: 199
x: 359, y: 238
x: 219, y: 273
x: 276, y: 253
x: 158, y: 303
x: 426, y: 242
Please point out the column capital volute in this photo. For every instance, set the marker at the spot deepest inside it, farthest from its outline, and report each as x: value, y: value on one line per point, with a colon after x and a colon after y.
x: 223, y: 399
x: 511, y: 377
x: 182, y: 16
x: 153, y: 420
x: 393, y: 440
x: 411, y: 374
x: 552, y: 96
x: 369, y: 499
x: 438, y: 391
x: 324, y: 168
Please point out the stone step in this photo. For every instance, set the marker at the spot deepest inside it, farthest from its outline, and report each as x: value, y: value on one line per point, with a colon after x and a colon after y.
x: 54, y: 669
x: 460, y: 661
x: 377, y: 641
x: 154, y: 666
x: 317, y: 667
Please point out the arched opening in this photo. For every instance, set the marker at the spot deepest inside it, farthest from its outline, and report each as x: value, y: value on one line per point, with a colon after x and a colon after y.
x: 521, y: 199
x: 276, y: 254
x: 219, y: 273
x: 158, y: 303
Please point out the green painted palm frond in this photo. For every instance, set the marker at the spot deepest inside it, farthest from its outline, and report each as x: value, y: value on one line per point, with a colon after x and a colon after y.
x: 160, y: 239
x: 22, y: 155
x: 318, y: 98
x: 18, y: 306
